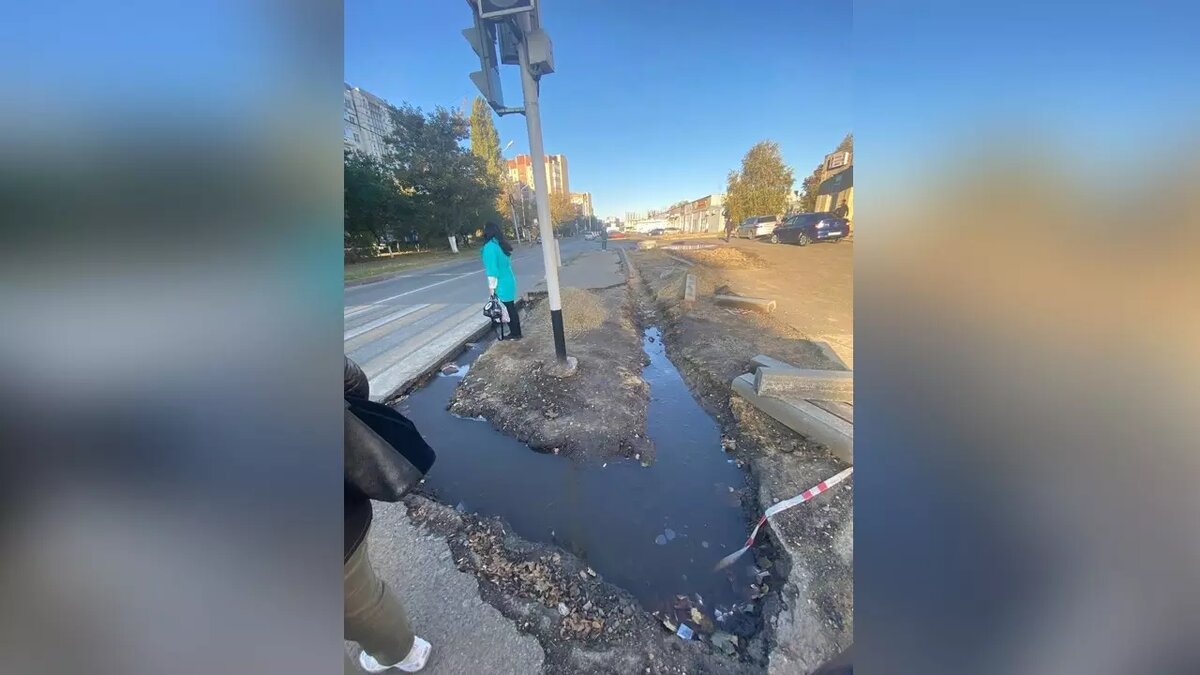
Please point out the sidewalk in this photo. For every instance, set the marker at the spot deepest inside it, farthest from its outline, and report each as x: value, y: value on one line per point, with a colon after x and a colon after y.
x: 444, y: 605
x: 396, y: 345
x: 591, y: 270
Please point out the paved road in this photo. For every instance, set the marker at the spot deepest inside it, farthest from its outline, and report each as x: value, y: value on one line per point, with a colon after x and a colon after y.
x: 397, y: 327
x: 813, y: 286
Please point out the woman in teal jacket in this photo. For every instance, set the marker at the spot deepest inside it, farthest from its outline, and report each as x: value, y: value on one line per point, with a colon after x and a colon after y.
x: 501, y: 281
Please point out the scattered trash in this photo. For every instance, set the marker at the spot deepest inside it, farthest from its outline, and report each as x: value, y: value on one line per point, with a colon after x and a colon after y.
x: 449, y: 369
x: 660, y: 540
x: 605, y: 465
x: 556, y: 451
x: 697, y: 616
x: 670, y: 534
x: 728, y: 444
x: 583, y: 575
x: 759, y: 575
x: 591, y: 572
x: 700, y: 599
x: 731, y: 488
x: 721, y: 614
x: 670, y: 625
x: 685, y: 631
x: 637, y: 455
x: 461, y: 508
x: 562, y: 609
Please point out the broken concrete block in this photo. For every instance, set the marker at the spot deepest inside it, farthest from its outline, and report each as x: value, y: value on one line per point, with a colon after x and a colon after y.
x: 803, y: 417
x: 647, y: 244
x: 743, y: 302
x: 819, y: 385
x: 689, y: 288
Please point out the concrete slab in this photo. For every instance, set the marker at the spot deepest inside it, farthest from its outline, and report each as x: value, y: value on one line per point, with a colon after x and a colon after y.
x: 802, y: 417
x: 804, y: 383
x: 444, y: 606
x: 756, y: 304
x: 589, y: 270
x: 689, y: 288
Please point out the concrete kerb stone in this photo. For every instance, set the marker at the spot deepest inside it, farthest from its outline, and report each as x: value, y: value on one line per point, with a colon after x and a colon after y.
x: 689, y: 288
x: 803, y: 417
x: 822, y: 385
x: 757, y: 304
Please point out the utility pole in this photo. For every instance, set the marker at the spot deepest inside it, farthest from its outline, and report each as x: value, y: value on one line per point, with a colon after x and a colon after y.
x: 516, y: 24
x: 533, y: 119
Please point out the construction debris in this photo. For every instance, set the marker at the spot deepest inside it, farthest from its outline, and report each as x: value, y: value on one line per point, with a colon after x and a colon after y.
x: 821, y: 385
x: 744, y: 302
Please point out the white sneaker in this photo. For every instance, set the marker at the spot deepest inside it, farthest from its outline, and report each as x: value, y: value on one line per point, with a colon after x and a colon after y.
x: 415, y: 661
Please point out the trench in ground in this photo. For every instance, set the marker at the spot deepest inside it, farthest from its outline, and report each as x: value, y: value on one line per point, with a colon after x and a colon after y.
x: 656, y: 531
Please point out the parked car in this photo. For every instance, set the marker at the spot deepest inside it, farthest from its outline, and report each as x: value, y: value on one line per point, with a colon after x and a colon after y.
x: 804, y: 228
x: 658, y: 232
x: 590, y: 235
x: 755, y: 227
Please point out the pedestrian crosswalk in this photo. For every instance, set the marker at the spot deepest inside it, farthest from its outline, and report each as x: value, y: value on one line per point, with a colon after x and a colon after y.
x: 396, y: 344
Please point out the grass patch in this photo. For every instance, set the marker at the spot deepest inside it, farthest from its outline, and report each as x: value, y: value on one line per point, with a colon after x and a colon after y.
x: 401, y: 262
x: 582, y: 311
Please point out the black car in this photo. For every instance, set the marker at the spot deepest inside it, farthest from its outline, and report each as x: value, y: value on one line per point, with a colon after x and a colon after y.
x: 804, y: 228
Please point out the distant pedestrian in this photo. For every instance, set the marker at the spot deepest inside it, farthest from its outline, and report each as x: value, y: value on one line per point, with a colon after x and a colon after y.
x: 383, y: 459
x: 841, y: 210
x: 729, y: 228
x: 604, y: 238
x: 501, y: 281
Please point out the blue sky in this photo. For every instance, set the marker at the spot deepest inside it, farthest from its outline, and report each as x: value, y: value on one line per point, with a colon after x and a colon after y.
x: 652, y: 102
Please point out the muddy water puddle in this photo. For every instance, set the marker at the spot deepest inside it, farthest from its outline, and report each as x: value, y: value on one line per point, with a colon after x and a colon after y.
x: 654, y: 530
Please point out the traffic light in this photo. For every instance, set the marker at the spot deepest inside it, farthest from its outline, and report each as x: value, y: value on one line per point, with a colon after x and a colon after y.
x: 491, y: 9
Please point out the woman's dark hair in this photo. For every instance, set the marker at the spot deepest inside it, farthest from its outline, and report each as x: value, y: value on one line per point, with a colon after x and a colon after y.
x: 492, y: 231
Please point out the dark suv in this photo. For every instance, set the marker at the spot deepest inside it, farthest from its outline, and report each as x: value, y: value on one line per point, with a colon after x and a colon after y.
x: 803, y: 228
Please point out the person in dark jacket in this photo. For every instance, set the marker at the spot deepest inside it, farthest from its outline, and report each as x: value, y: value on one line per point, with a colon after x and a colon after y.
x: 373, y: 616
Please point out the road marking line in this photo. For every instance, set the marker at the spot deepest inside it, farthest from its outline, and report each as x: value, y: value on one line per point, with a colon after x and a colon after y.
x: 372, y: 325
x: 425, y: 288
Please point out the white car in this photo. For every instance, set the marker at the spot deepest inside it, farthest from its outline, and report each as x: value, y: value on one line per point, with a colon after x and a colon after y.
x: 590, y: 235
x: 757, y: 227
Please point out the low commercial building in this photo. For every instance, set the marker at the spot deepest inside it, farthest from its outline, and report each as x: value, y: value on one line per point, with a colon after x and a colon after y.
x: 838, y: 186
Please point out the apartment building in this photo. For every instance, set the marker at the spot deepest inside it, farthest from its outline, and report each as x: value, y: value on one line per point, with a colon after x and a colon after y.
x: 365, y: 121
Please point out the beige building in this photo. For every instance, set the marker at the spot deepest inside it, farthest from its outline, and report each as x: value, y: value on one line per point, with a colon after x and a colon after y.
x: 584, y: 201
x: 365, y: 121
x: 520, y: 170
x: 838, y: 186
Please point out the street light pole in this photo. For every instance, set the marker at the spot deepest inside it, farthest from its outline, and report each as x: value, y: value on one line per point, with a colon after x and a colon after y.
x: 533, y: 119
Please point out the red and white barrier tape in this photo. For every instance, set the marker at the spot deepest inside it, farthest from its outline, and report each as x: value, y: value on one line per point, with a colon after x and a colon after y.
x: 783, y: 506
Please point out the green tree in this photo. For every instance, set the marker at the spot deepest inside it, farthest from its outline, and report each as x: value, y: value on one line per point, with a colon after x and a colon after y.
x: 485, y: 144
x: 374, y: 206
x: 448, y: 186
x: 809, y: 187
x: 561, y: 208
x: 761, y: 187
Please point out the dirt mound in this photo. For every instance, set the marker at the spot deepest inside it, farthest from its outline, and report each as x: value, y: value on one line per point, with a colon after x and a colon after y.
x: 599, y: 412
x: 582, y: 311
x: 725, y: 257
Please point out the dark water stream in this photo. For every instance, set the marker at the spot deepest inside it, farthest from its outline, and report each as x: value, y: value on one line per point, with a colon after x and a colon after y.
x: 656, y: 531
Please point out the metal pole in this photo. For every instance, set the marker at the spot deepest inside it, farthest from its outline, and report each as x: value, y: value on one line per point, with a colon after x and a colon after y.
x: 533, y: 119
x: 516, y: 227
